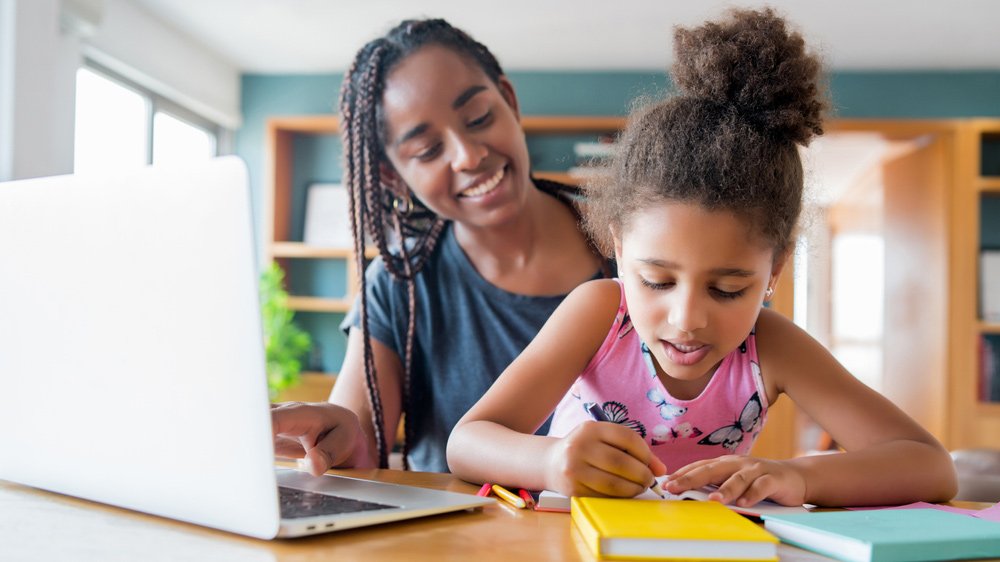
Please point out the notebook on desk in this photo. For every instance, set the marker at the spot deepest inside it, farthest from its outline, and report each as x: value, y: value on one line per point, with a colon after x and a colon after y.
x: 132, y: 363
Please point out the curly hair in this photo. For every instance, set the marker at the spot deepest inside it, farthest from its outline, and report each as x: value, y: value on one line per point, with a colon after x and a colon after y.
x: 375, y: 208
x: 749, y: 93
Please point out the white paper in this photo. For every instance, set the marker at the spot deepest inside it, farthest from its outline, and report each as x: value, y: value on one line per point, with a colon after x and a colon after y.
x: 553, y: 501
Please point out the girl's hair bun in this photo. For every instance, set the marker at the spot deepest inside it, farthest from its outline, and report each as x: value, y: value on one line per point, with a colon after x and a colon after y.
x: 751, y: 63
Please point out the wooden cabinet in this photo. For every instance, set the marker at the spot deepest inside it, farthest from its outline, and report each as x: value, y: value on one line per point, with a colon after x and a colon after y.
x: 938, y: 201
x: 922, y: 200
x: 975, y: 420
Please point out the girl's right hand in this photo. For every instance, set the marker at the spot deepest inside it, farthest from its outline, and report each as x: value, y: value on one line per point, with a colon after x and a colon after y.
x: 324, y: 435
x: 601, y: 459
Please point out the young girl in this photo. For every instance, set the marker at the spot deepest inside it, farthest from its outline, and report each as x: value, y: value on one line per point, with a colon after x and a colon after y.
x: 678, y: 353
x: 434, y: 152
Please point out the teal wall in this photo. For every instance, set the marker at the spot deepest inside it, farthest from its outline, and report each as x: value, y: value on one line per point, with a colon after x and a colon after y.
x: 855, y: 95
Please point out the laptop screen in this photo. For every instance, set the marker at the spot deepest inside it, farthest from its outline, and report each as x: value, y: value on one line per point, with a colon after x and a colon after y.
x: 130, y: 344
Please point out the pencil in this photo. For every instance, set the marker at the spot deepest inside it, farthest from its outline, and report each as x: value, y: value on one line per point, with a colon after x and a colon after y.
x: 657, y: 489
x: 485, y: 490
x: 508, y: 496
x: 597, y: 412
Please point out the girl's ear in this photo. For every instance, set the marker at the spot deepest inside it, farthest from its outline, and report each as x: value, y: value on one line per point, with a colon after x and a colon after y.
x: 507, y: 91
x: 778, y: 267
x: 618, y: 248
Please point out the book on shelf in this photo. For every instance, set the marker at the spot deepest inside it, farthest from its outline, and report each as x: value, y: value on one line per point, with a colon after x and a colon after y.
x: 669, y: 530
x: 327, y: 220
x: 989, y: 367
x: 554, y: 501
x: 989, y: 285
x: 889, y: 535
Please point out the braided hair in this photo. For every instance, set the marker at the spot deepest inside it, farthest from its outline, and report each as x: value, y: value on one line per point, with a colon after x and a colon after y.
x: 405, y: 234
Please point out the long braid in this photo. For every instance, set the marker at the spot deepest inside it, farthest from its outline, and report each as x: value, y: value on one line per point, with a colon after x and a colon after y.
x: 357, y: 171
x: 408, y: 402
x: 370, y: 93
x: 416, y: 231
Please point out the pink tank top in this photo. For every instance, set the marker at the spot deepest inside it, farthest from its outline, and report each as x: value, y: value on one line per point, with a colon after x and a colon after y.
x: 724, y: 419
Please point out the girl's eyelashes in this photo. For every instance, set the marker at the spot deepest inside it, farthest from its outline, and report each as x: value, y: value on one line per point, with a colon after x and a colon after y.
x: 715, y: 291
x: 727, y: 295
x: 655, y: 286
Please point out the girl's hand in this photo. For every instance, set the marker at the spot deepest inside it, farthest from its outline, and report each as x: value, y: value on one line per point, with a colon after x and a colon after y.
x: 601, y: 459
x: 324, y: 435
x: 742, y: 481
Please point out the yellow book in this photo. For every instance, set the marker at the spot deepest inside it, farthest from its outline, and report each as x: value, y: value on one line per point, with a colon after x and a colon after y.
x: 629, y: 529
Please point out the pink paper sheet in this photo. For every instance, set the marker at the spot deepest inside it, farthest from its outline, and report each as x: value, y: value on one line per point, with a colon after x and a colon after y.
x: 991, y: 513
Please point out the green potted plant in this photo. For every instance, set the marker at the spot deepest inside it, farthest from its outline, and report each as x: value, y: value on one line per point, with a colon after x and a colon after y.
x: 285, y: 344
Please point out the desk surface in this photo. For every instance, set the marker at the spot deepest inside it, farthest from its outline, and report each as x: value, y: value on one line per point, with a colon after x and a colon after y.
x: 38, y: 525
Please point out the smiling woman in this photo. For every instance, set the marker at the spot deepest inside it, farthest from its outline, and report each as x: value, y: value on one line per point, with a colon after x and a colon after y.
x: 473, y: 252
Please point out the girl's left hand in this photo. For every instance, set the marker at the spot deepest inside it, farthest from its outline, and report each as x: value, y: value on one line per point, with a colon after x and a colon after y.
x: 742, y: 481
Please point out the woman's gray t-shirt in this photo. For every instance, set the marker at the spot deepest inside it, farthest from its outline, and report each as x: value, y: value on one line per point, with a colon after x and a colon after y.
x: 467, y: 332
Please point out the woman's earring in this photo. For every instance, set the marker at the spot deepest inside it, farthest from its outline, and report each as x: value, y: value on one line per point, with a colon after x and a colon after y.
x: 403, y: 204
x: 768, y: 293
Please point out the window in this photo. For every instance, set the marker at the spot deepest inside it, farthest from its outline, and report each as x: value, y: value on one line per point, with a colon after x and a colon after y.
x: 175, y: 141
x: 858, y: 299
x: 121, y: 125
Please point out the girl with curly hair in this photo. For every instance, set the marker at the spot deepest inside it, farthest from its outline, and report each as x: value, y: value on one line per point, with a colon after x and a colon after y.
x: 678, y: 353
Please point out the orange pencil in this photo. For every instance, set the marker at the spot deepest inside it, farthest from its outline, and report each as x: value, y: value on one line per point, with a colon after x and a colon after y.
x: 508, y: 496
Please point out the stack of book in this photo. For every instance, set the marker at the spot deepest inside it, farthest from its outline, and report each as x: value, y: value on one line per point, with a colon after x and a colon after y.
x: 627, y: 529
x: 889, y: 535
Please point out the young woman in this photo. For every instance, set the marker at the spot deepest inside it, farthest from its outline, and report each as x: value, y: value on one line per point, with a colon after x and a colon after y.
x: 435, y: 155
x: 678, y: 354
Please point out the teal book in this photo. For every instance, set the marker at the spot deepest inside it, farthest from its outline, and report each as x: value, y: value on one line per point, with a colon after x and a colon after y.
x: 889, y: 535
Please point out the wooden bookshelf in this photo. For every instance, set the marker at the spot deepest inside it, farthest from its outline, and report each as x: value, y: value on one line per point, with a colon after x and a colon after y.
x: 975, y: 423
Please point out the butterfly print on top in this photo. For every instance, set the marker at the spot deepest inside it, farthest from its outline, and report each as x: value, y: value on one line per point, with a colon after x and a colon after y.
x: 730, y: 436
x: 663, y: 434
x: 668, y: 411
x: 617, y: 412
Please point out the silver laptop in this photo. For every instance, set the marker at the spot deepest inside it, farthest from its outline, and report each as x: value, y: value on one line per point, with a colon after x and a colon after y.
x: 132, y: 364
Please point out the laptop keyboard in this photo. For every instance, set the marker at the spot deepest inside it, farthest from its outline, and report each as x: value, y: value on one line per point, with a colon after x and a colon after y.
x: 300, y: 503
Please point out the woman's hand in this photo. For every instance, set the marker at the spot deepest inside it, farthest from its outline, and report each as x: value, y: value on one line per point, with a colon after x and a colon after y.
x: 324, y: 435
x: 742, y: 481
x: 601, y: 459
